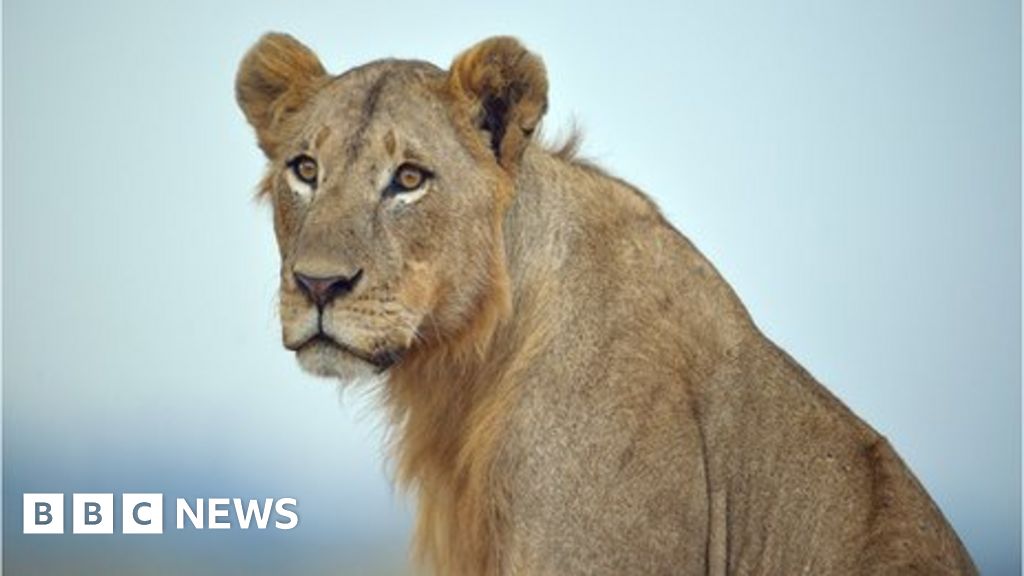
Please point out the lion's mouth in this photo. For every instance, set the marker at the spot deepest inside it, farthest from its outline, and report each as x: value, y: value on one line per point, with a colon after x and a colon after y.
x: 381, y: 360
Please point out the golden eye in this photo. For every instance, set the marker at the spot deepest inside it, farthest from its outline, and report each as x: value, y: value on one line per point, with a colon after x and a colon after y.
x: 408, y: 178
x: 305, y: 169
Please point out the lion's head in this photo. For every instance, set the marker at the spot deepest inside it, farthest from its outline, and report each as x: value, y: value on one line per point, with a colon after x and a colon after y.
x: 389, y: 184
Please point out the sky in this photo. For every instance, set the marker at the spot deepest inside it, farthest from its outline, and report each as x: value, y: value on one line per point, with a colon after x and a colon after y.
x: 851, y: 168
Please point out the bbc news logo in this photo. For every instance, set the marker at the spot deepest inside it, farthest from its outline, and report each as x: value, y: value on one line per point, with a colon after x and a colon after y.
x: 93, y: 513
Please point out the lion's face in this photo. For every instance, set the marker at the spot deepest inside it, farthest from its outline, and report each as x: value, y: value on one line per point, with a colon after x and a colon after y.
x: 387, y: 212
x: 382, y: 220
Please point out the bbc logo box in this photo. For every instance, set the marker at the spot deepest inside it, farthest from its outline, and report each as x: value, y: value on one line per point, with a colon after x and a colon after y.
x: 43, y: 513
x: 92, y: 513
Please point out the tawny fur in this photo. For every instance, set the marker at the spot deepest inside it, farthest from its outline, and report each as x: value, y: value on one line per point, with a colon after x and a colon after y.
x: 579, y: 391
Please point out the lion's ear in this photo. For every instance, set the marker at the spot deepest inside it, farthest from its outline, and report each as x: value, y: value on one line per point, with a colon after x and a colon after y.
x: 276, y: 77
x: 506, y: 90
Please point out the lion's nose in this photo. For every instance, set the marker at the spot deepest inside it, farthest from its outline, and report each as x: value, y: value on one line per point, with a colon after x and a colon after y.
x: 323, y: 291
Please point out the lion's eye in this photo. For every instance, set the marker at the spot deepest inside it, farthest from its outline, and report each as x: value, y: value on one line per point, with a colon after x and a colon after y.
x: 407, y: 178
x: 305, y: 169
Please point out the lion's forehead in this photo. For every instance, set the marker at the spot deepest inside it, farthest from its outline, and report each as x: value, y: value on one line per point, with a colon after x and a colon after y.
x: 388, y: 89
x: 375, y: 98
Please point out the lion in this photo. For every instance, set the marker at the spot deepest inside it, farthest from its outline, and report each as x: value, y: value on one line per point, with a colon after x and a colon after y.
x: 573, y: 387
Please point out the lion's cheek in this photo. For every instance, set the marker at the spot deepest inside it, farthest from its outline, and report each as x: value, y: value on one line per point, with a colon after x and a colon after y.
x: 418, y: 288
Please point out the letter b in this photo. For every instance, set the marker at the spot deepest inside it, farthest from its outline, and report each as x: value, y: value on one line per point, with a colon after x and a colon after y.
x: 43, y: 515
x: 92, y: 514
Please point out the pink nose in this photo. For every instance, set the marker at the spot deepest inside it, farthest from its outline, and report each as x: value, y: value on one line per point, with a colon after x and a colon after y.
x: 323, y: 291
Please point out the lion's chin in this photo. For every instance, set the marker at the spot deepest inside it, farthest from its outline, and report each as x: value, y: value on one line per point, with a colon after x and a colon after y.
x: 324, y: 359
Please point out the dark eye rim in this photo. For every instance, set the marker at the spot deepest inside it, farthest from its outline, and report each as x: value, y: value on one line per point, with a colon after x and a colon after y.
x: 294, y: 163
x: 395, y: 187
